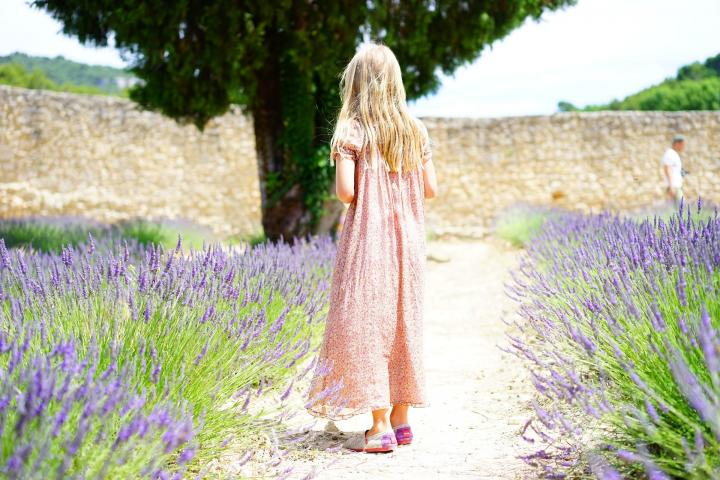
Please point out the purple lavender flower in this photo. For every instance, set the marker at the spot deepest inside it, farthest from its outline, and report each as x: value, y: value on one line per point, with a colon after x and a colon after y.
x: 201, y: 355
x: 596, y: 294
x: 208, y: 314
x: 186, y: 455
x: 4, y: 255
x: 148, y: 310
x: 92, y: 385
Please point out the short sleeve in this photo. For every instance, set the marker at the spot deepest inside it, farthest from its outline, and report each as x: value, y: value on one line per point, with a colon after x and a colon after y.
x: 668, y: 158
x: 665, y: 160
x: 349, y: 142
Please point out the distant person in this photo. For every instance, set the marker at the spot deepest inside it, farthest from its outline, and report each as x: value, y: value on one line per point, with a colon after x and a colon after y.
x: 373, y: 336
x: 672, y: 168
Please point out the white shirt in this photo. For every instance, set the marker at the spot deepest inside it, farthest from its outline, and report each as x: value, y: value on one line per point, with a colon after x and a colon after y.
x: 672, y: 160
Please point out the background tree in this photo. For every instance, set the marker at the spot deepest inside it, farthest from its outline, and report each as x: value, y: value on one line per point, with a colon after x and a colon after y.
x: 695, y: 87
x: 280, y: 59
x: 17, y: 75
x: 66, y: 73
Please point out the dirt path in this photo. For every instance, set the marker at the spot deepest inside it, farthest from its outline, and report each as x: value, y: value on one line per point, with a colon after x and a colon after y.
x: 478, y: 398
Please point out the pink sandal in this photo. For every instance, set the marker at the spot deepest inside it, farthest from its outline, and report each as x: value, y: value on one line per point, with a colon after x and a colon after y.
x: 403, y: 434
x: 379, y: 443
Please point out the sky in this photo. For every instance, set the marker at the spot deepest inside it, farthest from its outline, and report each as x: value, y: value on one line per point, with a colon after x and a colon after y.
x: 589, y: 53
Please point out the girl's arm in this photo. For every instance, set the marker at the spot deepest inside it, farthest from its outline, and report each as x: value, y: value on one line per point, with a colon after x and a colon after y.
x: 345, y: 179
x: 430, y: 179
x: 429, y: 176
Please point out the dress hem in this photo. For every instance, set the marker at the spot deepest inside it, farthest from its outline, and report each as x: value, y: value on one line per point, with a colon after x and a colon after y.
x: 361, y: 410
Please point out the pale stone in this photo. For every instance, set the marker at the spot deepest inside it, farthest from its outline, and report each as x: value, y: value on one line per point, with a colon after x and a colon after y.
x: 66, y: 154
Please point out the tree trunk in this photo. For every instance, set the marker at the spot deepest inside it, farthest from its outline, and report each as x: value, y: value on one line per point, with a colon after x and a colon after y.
x: 283, y: 213
x: 284, y: 135
x: 287, y: 217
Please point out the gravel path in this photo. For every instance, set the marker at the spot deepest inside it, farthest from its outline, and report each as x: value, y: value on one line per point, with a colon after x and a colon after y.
x: 479, y: 399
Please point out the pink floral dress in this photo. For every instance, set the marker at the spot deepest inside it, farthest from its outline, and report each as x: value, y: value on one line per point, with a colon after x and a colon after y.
x: 371, y: 356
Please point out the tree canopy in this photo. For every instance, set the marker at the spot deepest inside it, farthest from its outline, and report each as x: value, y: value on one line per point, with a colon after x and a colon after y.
x: 280, y: 59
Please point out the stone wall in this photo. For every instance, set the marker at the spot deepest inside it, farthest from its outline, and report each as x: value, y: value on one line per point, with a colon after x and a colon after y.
x: 101, y: 157
x: 586, y: 161
x: 64, y: 154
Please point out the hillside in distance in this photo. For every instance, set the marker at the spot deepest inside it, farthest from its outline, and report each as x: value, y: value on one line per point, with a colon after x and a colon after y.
x: 62, y: 71
x: 694, y: 87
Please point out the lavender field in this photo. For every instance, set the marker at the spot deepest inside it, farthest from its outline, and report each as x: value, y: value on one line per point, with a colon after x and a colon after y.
x: 619, y: 321
x: 126, y: 361
x: 122, y: 359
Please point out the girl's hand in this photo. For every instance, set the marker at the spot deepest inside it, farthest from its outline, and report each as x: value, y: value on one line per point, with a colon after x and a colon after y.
x: 430, y: 180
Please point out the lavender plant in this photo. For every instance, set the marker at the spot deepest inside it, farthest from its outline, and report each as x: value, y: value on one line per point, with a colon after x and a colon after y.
x: 62, y: 417
x: 620, y: 331
x: 151, y: 358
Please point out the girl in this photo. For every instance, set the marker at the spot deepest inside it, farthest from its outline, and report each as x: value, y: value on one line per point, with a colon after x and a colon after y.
x: 371, y: 356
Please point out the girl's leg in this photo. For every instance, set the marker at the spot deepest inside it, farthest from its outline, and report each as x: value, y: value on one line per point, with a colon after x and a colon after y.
x: 399, y: 414
x: 380, y: 422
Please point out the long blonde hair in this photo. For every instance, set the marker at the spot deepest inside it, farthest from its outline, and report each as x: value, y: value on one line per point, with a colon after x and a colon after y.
x: 373, y: 94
